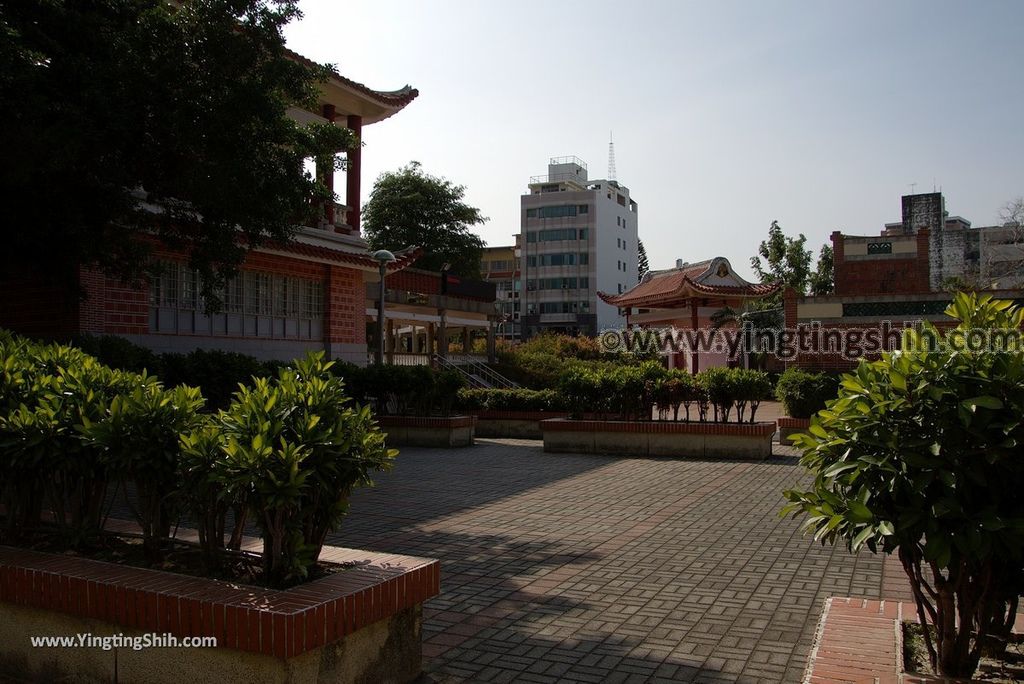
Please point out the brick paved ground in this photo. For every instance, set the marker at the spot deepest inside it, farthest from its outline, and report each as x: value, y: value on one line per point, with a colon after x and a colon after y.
x: 597, y: 569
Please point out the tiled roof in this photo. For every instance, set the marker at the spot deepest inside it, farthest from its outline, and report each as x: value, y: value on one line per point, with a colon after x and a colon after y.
x: 390, y: 98
x: 356, y: 258
x: 674, y: 284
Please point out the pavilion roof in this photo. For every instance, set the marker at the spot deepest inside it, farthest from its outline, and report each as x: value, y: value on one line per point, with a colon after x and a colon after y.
x: 671, y: 287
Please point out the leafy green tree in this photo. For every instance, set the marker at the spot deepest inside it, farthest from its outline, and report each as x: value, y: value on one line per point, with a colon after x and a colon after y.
x: 920, y: 455
x: 411, y: 207
x: 643, y: 265
x: 787, y: 260
x: 126, y: 119
x: 822, y: 280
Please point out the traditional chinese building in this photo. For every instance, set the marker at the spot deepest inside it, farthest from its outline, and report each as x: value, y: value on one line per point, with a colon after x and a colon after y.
x: 310, y: 293
x: 686, y: 298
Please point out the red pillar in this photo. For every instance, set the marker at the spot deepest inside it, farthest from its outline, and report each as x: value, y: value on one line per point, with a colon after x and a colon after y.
x: 327, y: 174
x: 355, y: 155
x: 694, y: 364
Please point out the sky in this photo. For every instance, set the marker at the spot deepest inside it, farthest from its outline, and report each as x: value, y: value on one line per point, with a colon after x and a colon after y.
x: 725, y: 115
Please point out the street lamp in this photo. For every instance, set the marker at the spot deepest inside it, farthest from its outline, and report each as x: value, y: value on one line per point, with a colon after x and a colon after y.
x: 383, y: 257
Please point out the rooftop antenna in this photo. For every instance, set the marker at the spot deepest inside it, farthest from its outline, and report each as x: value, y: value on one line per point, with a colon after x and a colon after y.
x: 611, y: 157
x: 913, y: 186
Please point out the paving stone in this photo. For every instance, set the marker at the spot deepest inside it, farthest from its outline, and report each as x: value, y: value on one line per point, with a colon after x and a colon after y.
x: 593, y: 569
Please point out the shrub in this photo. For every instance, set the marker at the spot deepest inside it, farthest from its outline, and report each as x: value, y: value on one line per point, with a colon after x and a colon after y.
x: 286, y: 453
x: 213, y: 483
x: 118, y: 353
x: 751, y: 387
x: 509, y: 400
x: 803, y: 394
x: 403, y: 390
x: 719, y: 383
x: 218, y: 373
x: 298, y: 447
x: 139, y: 439
x: 47, y: 393
x: 920, y: 455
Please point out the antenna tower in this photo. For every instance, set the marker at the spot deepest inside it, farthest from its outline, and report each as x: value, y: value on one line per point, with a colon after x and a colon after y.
x: 611, y: 157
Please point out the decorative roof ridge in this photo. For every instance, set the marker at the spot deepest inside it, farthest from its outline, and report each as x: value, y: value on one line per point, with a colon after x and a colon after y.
x: 391, y: 98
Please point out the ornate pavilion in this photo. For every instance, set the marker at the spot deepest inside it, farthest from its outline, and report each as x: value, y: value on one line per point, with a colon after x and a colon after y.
x: 685, y: 298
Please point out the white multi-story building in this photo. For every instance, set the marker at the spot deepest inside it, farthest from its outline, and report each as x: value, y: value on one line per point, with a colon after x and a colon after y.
x: 579, y: 236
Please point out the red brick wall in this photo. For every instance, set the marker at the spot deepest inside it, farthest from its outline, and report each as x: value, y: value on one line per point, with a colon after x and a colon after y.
x: 111, y: 307
x: 881, y: 276
x: 344, y: 306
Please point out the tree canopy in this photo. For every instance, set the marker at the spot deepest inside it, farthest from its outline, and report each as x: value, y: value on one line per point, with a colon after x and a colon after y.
x: 822, y: 279
x: 126, y: 118
x: 787, y: 260
x: 412, y: 207
x: 643, y: 266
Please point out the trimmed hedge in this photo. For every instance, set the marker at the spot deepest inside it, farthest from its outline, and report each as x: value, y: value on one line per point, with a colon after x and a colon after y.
x: 509, y: 400
x: 803, y: 394
x: 390, y: 390
x: 632, y: 392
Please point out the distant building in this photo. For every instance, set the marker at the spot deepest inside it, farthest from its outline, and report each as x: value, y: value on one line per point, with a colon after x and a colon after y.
x: 928, y: 251
x: 578, y: 237
x: 500, y: 266
x: 905, y: 275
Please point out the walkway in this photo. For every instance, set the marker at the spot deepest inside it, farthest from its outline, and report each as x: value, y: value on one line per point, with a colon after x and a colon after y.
x: 597, y: 569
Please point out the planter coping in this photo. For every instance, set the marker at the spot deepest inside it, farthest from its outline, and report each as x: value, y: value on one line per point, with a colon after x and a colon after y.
x: 520, y: 415
x: 788, y: 422
x: 860, y: 640
x: 427, y: 421
x: 759, y: 429
x: 278, y: 622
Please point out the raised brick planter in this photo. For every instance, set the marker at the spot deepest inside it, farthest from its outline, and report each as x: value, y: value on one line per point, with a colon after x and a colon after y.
x: 517, y: 424
x: 454, y: 431
x: 360, y: 624
x: 791, y: 426
x: 861, y: 640
x: 659, y: 438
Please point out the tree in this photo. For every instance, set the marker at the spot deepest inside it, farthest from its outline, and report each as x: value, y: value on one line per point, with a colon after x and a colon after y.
x: 822, y: 280
x: 920, y: 456
x: 411, y: 207
x: 642, y: 264
x: 125, y: 120
x: 788, y: 261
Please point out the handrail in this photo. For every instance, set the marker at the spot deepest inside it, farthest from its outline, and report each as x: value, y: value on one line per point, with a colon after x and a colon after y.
x: 473, y: 380
x: 481, y: 368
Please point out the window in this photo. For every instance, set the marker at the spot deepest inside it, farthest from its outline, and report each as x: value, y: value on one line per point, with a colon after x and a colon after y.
x: 550, y: 235
x: 558, y: 284
x: 584, y: 233
x: 562, y: 211
x: 563, y: 307
x: 560, y: 259
x: 618, y: 220
x: 247, y: 296
x: 583, y: 209
x: 618, y: 242
x: 531, y: 213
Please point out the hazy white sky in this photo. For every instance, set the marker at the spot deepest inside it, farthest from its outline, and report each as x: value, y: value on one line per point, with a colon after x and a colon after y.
x: 726, y: 115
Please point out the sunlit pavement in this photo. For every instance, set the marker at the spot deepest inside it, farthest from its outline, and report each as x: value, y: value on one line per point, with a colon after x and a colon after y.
x: 602, y: 569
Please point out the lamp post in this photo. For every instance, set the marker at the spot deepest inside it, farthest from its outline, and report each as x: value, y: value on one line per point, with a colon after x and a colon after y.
x: 383, y: 257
